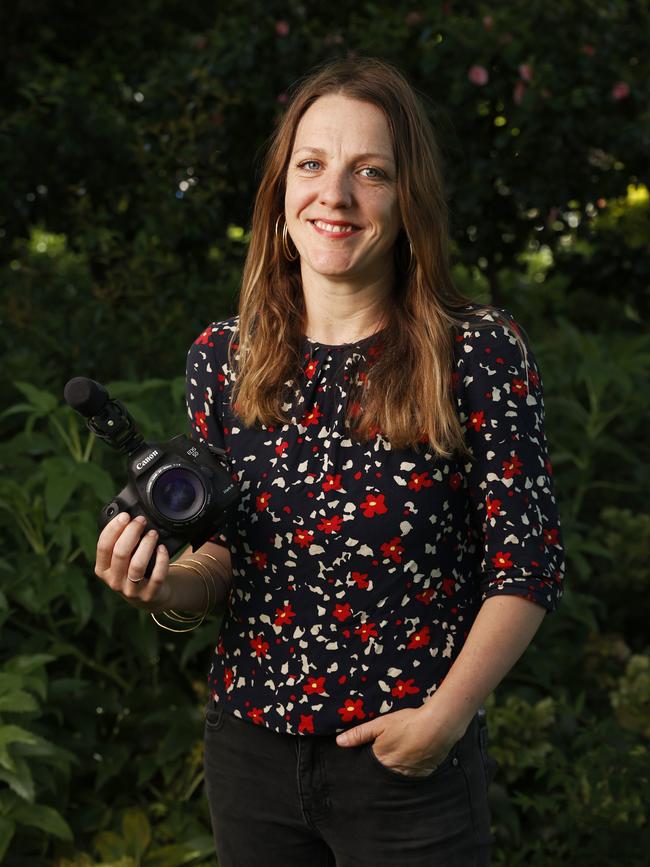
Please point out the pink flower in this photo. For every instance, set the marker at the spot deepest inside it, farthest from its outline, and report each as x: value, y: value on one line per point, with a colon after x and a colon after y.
x: 525, y: 72
x: 478, y: 75
x: 282, y: 28
x: 519, y: 92
x: 621, y: 90
x: 488, y: 22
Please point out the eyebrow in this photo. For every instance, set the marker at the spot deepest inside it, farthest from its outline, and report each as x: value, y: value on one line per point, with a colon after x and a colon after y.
x: 368, y: 155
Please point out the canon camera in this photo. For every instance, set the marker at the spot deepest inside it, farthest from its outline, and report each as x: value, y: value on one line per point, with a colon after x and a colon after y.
x: 183, y: 488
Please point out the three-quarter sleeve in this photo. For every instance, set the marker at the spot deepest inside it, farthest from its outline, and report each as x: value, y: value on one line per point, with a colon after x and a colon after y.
x: 511, y: 497
x: 202, y: 401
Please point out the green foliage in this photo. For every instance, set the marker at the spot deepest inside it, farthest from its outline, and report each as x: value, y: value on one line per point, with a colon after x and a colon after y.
x: 100, y: 712
x: 631, y: 700
x: 122, y: 243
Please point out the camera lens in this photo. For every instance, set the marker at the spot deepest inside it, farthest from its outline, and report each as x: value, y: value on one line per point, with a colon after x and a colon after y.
x: 178, y: 494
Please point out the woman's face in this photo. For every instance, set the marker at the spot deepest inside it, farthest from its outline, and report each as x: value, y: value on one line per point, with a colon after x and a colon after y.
x: 341, y: 192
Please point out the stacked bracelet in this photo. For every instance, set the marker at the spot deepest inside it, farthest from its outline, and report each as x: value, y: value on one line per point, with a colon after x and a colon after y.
x: 196, y: 620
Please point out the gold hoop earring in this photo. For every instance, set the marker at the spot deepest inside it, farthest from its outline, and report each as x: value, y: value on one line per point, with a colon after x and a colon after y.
x: 291, y: 257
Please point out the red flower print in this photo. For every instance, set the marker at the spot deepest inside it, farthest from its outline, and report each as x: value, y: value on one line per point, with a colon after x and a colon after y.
x: 455, y: 481
x: 373, y: 505
x: 492, y: 507
x: 306, y: 723
x: 257, y: 715
x: 476, y: 420
x: 512, y: 467
x: 331, y: 525
x: 314, y: 685
x: 204, y: 337
x: 262, y: 501
x: 352, y: 709
x: 533, y: 377
x: 199, y: 418
x: 518, y: 386
x: 281, y: 447
x: 404, y: 687
x: 366, y: 631
x: 393, y: 549
x: 502, y: 560
x: 419, y: 481
x: 312, y: 416
x: 259, y: 645
x: 332, y: 483
x: 550, y: 537
x: 228, y: 678
x: 355, y: 409
x: 310, y: 370
x: 304, y: 538
x: 361, y: 579
x: 419, y: 639
x: 342, y: 612
x: 426, y: 596
x: 284, y: 615
x: 448, y: 586
x: 221, y: 650
x: 259, y: 559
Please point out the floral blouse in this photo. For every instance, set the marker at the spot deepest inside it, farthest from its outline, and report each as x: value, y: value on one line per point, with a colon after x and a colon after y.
x: 358, y: 569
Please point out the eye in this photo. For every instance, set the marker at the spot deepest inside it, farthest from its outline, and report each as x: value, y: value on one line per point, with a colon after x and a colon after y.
x: 374, y: 174
x: 309, y: 165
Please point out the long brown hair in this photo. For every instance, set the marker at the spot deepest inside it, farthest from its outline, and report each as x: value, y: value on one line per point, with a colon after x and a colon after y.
x: 405, y: 390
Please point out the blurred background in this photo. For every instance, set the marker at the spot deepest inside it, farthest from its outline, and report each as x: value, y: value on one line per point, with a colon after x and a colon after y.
x: 130, y: 138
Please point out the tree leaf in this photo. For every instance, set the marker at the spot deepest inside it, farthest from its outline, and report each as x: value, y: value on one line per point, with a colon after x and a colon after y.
x: 46, y: 818
x: 137, y: 833
x: 20, y: 779
x: 41, y: 400
x: 12, y: 734
x: 109, y: 846
x: 18, y: 701
x: 7, y: 828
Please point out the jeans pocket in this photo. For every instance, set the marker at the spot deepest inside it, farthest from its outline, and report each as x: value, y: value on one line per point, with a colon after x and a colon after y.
x: 410, y: 779
x: 214, y: 717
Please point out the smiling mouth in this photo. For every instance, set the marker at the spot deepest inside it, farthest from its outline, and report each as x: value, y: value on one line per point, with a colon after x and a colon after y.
x: 334, y: 228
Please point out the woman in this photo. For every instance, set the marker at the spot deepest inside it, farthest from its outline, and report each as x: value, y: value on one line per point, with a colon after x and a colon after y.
x: 397, y: 543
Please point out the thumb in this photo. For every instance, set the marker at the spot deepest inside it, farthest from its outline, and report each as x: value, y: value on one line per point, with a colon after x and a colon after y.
x: 356, y: 736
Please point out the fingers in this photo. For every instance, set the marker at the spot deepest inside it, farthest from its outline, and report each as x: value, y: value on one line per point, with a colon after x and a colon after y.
x: 106, y: 542
x: 123, y: 554
x: 155, y: 588
x: 125, y: 546
x: 140, y: 560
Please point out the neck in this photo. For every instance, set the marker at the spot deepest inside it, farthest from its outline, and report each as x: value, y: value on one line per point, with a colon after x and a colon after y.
x: 343, y: 313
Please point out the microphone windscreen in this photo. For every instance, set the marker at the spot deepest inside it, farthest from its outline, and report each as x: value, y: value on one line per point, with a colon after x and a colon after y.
x: 85, y: 396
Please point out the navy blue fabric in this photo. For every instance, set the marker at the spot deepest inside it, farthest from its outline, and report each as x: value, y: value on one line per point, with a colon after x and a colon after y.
x: 359, y: 569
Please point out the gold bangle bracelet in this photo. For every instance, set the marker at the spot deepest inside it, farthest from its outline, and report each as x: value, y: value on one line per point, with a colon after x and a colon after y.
x: 173, y: 615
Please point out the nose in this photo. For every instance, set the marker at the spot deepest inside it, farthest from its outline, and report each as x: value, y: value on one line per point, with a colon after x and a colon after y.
x: 335, y: 190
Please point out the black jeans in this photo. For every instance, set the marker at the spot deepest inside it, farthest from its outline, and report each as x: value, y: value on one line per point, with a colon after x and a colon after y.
x: 283, y: 800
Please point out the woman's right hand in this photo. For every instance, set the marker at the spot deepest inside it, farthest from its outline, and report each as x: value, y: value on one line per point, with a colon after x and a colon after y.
x: 122, y: 557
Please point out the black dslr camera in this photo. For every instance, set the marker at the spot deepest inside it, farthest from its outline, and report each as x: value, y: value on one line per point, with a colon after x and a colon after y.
x: 183, y: 488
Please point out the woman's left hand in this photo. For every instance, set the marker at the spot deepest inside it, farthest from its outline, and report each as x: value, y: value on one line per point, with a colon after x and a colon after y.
x: 406, y: 741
